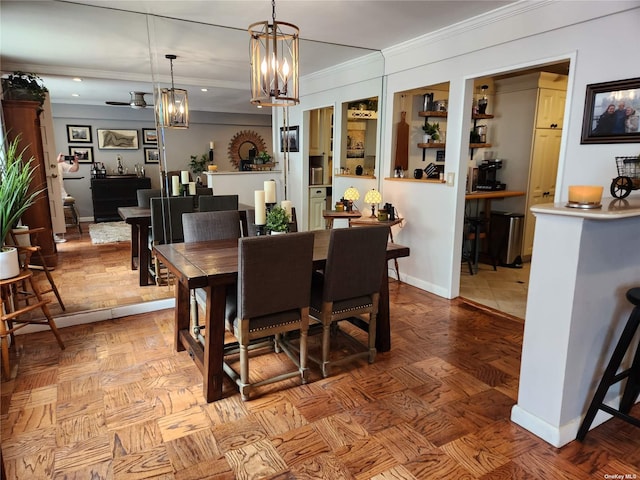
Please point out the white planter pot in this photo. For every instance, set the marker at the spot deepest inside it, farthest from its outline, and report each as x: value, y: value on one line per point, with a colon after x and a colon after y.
x: 426, y: 138
x: 9, y: 265
x: 277, y: 233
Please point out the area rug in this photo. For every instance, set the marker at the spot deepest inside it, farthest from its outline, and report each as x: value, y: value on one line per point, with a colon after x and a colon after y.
x: 109, y: 232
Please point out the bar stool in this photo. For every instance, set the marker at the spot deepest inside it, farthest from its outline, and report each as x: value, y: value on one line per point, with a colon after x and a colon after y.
x: 71, y: 216
x: 11, y: 313
x: 610, y: 377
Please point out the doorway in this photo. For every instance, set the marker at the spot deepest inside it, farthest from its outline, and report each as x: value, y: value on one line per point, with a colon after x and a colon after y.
x: 518, y: 103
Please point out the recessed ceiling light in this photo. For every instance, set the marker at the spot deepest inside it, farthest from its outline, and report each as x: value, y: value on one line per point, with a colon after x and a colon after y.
x: 77, y: 79
x: 204, y: 90
x: 75, y: 94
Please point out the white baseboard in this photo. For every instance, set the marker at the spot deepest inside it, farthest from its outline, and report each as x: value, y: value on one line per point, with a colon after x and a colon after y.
x: 79, y: 318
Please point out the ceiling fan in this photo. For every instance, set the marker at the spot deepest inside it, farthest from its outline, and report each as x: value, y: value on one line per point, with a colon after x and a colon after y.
x: 136, y: 101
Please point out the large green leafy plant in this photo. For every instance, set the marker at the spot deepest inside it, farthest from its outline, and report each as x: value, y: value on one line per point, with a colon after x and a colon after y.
x: 16, y: 175
x: 24, y: 86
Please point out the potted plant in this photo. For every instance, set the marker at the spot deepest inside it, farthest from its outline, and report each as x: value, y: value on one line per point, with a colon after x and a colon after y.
x: 263, y: 157
x: 15, y: 178
x: 277, y: 220
x: 198, y: 165
x: 24, y: 86
x: 431, y: 132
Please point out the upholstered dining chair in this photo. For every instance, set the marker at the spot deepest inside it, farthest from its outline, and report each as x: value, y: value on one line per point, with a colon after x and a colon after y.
x: 274, y: 279
x: 166, y: 226
x: 214, y: 203
x: 145, y: 195
x: 349, y: 287
x: 200, y: 227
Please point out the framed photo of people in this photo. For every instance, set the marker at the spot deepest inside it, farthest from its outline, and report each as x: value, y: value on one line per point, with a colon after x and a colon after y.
x: 611, y: 112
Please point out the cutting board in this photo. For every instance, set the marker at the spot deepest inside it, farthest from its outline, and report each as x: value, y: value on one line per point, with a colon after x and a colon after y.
x: 402, y: 143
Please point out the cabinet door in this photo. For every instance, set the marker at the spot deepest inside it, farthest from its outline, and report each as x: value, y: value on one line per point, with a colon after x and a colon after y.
x: 550, y: 113
x: 316, y: 220
x: 315, y: 132
x: 542, y: 178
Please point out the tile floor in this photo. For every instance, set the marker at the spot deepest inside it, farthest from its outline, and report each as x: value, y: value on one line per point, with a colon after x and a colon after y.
x: 504, y: 289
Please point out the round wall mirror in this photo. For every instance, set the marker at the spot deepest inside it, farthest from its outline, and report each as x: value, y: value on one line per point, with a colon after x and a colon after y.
x: 244, y: 146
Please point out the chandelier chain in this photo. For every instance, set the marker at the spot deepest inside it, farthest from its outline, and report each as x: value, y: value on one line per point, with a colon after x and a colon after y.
x: 273, y: 10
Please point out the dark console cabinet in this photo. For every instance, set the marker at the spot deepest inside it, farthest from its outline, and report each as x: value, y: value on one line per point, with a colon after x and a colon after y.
x: 110, y: 193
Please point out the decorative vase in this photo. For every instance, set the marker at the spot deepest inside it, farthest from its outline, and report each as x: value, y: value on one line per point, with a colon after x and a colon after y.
x: 9, y: 265
x: 426, y: 138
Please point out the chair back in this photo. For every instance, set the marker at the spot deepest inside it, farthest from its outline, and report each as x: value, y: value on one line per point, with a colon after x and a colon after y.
x: 146, y: 194
x: 356, y: 261
x: 293, y: 221
x: 274, y: 273
x: 202, y: 226
x: 166, y: 218
x: 251, y: 230
x: 215, y: 203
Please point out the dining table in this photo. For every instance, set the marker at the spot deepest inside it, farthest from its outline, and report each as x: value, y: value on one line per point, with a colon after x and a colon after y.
x: 140, y: 220
x: 213, y: 266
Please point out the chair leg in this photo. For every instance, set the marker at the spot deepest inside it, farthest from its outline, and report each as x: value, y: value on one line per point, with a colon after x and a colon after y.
x: 303, y: 355
x: 372, y: 337
x: 244, y: 385
x: 4, y: 340
x: 45, y: 310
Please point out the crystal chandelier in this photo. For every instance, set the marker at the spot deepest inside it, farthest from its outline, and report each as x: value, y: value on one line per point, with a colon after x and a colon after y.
x: 173, y: 107
x: 274, y: 62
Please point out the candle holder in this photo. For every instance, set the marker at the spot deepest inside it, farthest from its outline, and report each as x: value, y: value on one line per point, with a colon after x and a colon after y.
x: 261, y: 230
x: 269, y: 206
x: 184, y: 189
x: 585, y: 196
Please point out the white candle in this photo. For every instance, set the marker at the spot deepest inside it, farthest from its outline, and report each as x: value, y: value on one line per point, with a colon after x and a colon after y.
x: 287, y: 207
x: 585, y: 194
x: 210, y: 145
x: 175, y: 186
x: 261, y: 209
x: 184, y: 177
x: 270, y: 191
x: 192, y: 188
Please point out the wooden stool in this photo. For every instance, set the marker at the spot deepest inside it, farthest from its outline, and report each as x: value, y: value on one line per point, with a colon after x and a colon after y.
x: 71, y: 217
x: 610, y: 377
x: 9, y: 313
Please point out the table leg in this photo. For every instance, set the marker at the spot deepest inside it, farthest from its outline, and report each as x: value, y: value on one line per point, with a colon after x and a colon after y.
x: 143, y: 254
x: 383, y: 323
x: 181, y: 314
x: 134, y: 245
x: 213, y: 372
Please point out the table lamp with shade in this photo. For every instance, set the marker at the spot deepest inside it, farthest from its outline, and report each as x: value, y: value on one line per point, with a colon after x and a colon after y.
x: 373, y: 197
x: 351, y: 195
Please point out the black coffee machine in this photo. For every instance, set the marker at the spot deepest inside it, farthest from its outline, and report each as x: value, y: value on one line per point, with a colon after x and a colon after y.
x: 487, y: 172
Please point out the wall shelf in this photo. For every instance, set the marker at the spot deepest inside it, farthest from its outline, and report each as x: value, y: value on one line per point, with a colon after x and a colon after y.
x: 419, y: 180
x: 431, y: 145
x: 433, y: 113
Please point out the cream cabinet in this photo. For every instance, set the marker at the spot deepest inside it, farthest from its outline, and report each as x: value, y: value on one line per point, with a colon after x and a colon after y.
x: 550, y: 112
x: 320, y: 131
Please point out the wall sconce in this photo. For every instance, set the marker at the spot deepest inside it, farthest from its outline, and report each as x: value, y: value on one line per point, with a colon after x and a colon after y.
x: 373, y: 197
x: 173, y: 107
x: 351, y: 195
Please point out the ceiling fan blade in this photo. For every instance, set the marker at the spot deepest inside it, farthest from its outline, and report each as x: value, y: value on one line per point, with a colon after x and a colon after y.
x: 119, y: 104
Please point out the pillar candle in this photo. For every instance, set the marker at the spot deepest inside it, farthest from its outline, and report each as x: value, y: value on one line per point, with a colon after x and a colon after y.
x: 270, y: 191
x: 210, y: 145
x: 184, y: 177
x: 175, y: 186
x: 585, y: 194
x: 192, y: 188
x: 287, y: 207
x: 261, y: 209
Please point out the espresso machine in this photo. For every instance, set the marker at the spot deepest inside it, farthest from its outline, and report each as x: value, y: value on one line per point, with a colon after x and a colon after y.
x: 487, y: 176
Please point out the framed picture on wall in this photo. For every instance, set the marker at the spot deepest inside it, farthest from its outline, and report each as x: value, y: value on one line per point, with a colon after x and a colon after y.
x: 611, y: 112
x: 151, y: 155
x: 149, y: 136
x: 289, y: 137
x: 79, y: 134
x: 117, y: 139
x: 85, y: 154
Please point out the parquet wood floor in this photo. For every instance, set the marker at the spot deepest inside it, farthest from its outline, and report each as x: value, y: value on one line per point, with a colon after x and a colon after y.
x: 119, y: 403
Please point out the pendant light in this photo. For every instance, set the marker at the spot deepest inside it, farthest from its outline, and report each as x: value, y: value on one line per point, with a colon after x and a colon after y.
x: 274, y: 62
x: 173, y: 107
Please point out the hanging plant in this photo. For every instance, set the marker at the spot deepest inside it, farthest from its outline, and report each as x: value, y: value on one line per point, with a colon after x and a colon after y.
x: 24, y: 86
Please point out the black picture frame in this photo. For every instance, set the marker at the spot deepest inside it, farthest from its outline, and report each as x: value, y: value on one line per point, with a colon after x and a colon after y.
x: 113, y: 139
x: 79, y: 134
x: 292, y: 136
x: 151, y: 155
x: 149, y: 136
x: 620, y: 124
x: 85, y: 154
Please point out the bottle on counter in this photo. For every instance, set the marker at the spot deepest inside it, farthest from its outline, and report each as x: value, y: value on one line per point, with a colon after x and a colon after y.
x: 103, y: 171
x: 120, y: 167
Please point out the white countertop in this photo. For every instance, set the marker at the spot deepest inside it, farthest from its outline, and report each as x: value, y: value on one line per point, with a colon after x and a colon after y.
x: 612, y: 209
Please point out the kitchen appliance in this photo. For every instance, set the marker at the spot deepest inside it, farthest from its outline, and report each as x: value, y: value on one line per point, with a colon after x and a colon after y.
x: 506, y: 237
x: 316, y: 175
x: 487, y: 172
x: 481, y: 132
x: 440, y: 105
